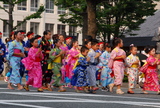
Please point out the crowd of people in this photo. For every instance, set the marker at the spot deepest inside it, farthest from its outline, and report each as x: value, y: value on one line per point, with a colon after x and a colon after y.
x: 49, y: 62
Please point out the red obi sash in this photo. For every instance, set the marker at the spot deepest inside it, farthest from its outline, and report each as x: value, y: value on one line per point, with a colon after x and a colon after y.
x: 152, y: 67
x: 37, y: 59
x: 17, y: 51
x: 120, y: 60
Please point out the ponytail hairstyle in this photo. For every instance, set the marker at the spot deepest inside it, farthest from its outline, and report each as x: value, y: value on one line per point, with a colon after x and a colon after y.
x: 149, y: 48
x: 116, y: 41
x: 55, y: 41
x: 73, y: 41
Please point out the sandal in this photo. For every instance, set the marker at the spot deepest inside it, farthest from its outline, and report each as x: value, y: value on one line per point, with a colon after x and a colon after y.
x: 40, y: 90
x: 62, y: 90
x: 119, y: 91
x: 26, y: 88
x: 130, y: 92
x: 92, y: 91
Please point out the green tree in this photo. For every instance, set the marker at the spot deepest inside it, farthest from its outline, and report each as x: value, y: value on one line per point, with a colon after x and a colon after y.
x: 77, y: 14
x: 12, y: 4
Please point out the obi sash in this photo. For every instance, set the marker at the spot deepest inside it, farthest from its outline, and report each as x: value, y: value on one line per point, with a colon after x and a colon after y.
x: 17, y: 51
x: 37, y: 59
x: 152, y: 67
x: 120, y: 60
x: 134, y: 66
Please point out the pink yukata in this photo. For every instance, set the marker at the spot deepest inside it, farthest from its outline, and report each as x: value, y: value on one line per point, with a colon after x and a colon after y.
x: 64, y: 47
x: 151, y: 76
x: 71, y: 60
x: 33, y: 65
x: 117, y: 65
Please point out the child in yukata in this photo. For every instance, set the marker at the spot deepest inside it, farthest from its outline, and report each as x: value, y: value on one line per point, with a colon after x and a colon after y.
x: 91, y: 70
x: 80, y: 77
x: 133, y: 64
x: 116, y: 63
x: 106, y: 78
x: 15, y: 51
x: 55, y: 63
x: 33, y: 64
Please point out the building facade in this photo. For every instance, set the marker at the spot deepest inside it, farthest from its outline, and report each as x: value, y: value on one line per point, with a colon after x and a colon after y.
x: 49, y: 20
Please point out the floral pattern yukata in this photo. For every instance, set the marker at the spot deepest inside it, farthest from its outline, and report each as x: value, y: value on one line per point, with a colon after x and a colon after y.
x: 80, y: 77
x: 33, y: 64
x: 55, y: 64
x: 15, y: 77
x: 151, y: 76
x: 106, y: 78
x: 47, y: 74
x: 71, y: 61
x: 132, y: 70
x: 117, y: 65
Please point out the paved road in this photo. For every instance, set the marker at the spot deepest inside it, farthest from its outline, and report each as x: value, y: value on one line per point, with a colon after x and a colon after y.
x: 71, y: 99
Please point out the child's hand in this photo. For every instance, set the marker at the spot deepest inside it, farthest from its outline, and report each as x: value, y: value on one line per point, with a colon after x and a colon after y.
x: 62, y: 52
x: 97, y: 55
x: 123, y: 56
x: 88, y: 59
x: 22, y: 55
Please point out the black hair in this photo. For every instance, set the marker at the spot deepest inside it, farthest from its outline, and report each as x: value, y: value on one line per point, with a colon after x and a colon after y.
x: 86, y: 42
x: 30, y: 32
x: 46, y: 32
x: 94, y: 42
x: 55, y: 41
x: 83, y: 49
x: 131, y: 47
x: 37, y: 36
x: 73, y: 41
x: 33, y: 39
x: 55, y: 36
x: 107, y: 46
x: 15, y: 33
x: 7, y: 40
x: 116, y: 41
x: 88, y: 38
x: 148, y: 49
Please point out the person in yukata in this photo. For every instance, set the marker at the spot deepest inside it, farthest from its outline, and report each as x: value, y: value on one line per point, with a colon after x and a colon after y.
x: 106, y: 78
x: 33, y: 65
x: 116, y: 63
x: 91, y: 70
x: 16, y: 52
x: 133, y: 64
x: 151, y: 82
x: 55, y: 63
x: 46, y: 46
x: 80, y: 77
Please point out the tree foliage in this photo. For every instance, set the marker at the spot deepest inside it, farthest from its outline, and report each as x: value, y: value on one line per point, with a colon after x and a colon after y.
x: 9, y: 11
x: 113, y: 17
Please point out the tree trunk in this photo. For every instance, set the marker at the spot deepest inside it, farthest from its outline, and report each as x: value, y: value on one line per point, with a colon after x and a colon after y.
x: 11, y: 6
x: 91, y: 10
x: 85, y: 26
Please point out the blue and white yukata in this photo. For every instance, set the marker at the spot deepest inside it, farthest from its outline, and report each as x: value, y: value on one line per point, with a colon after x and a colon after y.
x: 91, y: 70
x: 15, y: 77
x: 106, y: 78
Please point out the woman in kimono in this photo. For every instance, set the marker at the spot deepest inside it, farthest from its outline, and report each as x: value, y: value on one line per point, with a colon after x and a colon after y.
x: 72, y: 58
x: 106, y: 79
x: 151, y: 75
x: 55, y: 63
x: 15, y: 51
x: 116, y: 62
x: 33, y: 64
x: 133, y: 65
x: 46, y: 45
x: 80, y: 77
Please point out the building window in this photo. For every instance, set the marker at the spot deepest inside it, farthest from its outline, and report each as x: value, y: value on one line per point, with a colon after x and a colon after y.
x: 61, y: 10
x: 72, y: 29
x: 22, y: 26
x: 49, y: 27
x: 34, y: 27
x: 6, y: 6
x: 22, y: 6
x: 5, y: 29
x: 34, y: 5
x: 49, y: 6
x: 61, y: 29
